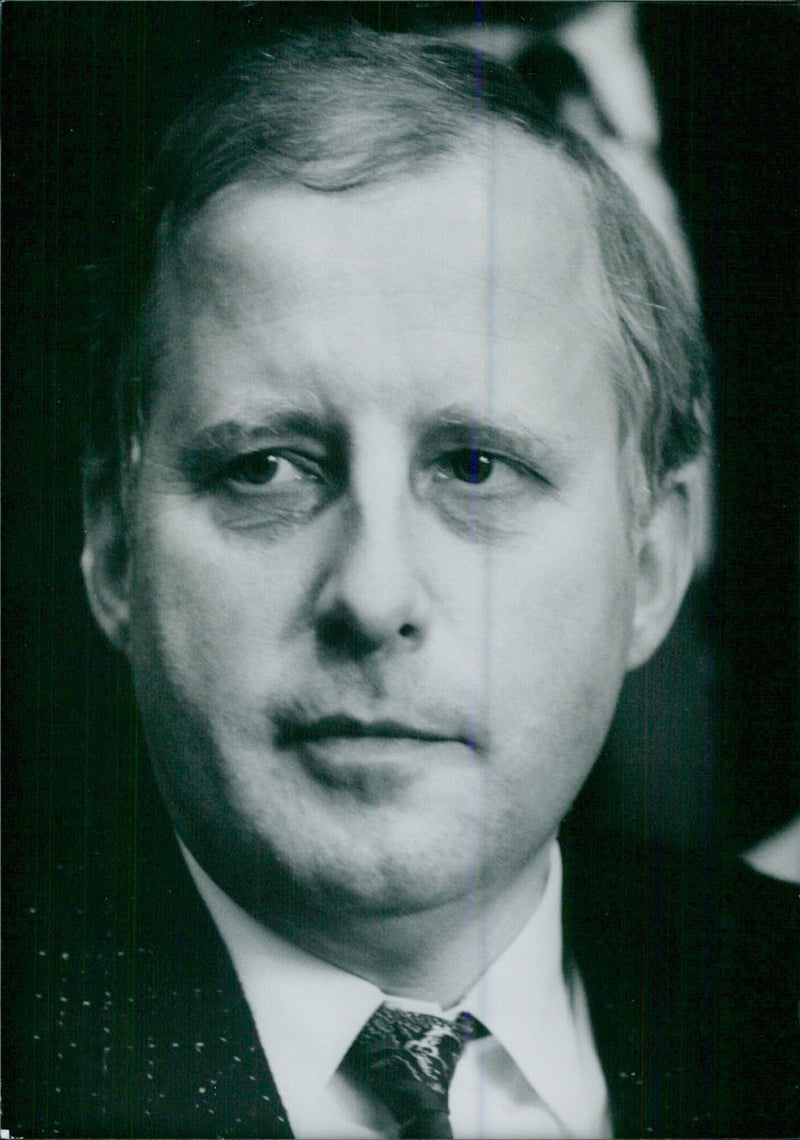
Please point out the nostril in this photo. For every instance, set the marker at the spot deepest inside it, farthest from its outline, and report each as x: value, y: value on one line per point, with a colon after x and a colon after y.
x: 342, y: 636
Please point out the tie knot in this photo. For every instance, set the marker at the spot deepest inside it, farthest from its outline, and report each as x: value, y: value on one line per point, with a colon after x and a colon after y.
x: 408, y: 1059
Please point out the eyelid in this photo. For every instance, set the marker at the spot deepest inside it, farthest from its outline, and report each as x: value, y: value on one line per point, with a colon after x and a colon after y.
x: 518, y: 446
x: 302, y: 465
x: 520, y: 466
x: 207, y: 465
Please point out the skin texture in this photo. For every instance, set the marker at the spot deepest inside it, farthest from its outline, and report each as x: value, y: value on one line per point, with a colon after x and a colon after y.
x: 382, y: 481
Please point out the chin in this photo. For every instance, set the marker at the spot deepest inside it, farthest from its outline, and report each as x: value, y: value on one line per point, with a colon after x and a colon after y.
x: 330, y: 872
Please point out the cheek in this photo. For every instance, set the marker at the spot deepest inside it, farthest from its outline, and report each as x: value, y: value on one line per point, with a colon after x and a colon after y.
x: 558, y: 627
x: 205, y: 632
x: 205, y: 609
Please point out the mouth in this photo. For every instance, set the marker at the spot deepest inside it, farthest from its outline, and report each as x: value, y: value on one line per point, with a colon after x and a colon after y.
x: 372, y: 759
x: 343, y: 727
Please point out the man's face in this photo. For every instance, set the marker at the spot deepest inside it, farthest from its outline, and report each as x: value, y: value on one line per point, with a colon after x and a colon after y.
x: 381, y: 582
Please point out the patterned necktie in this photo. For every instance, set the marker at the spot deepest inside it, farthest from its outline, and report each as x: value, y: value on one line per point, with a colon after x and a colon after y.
x: 408, y: 1060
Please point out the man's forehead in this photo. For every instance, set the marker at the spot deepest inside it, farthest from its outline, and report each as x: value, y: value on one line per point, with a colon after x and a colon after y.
x: 480, y: 279
x: 508, y: 208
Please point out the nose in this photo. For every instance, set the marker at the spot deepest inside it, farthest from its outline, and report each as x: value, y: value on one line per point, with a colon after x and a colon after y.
x: 373, y: 596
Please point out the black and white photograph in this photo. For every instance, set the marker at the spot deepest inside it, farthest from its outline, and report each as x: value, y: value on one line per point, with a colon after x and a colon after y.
x: 401, y: 570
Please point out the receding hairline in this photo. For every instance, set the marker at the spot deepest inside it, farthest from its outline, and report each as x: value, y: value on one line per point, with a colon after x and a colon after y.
x: 502, y: 193
x: 480, y: 140
x: 535, y: 179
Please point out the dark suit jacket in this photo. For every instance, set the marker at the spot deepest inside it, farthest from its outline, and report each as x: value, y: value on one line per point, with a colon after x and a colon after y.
x: 134, y: 1024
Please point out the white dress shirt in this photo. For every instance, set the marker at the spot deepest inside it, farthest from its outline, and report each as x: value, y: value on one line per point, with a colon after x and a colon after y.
x: 536, y: 1076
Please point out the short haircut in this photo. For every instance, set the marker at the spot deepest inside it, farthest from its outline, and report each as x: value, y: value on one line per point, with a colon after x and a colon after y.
x: 335, y: 110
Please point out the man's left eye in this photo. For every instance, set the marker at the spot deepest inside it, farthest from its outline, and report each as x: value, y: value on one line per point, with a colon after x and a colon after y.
x: 473, y: 467
x: 468, y: 465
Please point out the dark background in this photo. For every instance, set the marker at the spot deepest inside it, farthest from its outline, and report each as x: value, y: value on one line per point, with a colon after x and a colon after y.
x: 705, y: 749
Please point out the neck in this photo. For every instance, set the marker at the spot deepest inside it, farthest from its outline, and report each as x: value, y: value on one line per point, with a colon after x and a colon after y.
x: 435, y: 955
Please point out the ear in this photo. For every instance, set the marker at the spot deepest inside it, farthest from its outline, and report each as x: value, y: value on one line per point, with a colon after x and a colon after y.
x: 665, y: 562
x: 105, y: 563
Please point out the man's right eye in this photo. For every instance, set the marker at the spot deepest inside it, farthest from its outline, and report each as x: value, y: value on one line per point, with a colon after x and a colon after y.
x: 257, y: 469
x: 269, y: 490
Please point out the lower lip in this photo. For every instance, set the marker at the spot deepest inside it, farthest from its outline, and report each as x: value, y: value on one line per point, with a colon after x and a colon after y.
x: 338, y: 758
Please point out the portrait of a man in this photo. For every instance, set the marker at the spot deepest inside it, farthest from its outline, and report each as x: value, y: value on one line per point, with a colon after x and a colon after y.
x: 396, y: 465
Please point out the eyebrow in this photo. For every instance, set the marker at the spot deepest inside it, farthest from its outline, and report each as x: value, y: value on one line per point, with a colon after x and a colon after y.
x: 253, y: 427
x: 456, y: 425
x: 508, y: 434
x: 234, y: 433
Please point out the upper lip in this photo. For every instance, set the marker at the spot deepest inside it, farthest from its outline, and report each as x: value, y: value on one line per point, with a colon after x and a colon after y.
x: 340, y: 724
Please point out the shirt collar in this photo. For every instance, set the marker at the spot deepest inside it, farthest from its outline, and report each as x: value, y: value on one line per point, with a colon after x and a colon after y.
x: 524, y: 1000
x: 308, y: 1012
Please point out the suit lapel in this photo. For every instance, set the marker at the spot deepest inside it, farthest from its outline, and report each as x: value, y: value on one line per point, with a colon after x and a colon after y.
x: 209, y: 1063
x: 629, y: 927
